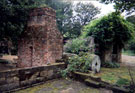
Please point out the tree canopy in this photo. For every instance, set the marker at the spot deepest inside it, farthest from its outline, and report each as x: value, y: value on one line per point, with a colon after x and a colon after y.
x: 109, y: 30
x: 14, y: 14
x: 122, y: 5
x: 83, y: 14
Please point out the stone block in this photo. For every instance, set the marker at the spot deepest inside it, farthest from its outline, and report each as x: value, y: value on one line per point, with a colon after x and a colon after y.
x: 50, y: 74
x: 43, y: 73
x: 2, y: 81
x: 8, y: 87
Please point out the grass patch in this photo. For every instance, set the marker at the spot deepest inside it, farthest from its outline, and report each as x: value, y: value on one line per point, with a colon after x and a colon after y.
x: 119, y: 76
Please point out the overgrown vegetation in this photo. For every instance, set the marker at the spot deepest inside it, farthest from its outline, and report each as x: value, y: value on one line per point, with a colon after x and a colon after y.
x: 110, y: 64
x: 76, y: 45
x: 110, y: 33
x: 79, y: 63
x: 109, y: 30
x: 14, y: 15
x: 130, y: 46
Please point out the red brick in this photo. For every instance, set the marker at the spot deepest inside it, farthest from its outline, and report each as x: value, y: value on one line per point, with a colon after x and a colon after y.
x: 41, y: 42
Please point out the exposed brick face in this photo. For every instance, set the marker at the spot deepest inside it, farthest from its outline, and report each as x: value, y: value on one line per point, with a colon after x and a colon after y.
x: 41, y: 43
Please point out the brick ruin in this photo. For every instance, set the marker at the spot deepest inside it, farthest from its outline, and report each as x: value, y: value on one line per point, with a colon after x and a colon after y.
x: 41, y: 43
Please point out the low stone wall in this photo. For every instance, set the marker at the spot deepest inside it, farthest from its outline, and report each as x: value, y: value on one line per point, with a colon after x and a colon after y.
x: 26, y: 77
x: 97, y: 82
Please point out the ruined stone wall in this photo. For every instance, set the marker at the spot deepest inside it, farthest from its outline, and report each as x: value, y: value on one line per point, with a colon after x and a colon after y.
x: 26, y: 77
x: 41, y: 43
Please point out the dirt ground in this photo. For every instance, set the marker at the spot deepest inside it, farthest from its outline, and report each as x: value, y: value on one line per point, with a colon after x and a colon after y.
x: 128, y: 60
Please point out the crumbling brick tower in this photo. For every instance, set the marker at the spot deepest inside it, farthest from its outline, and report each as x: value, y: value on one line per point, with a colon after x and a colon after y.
x: 41, y: 43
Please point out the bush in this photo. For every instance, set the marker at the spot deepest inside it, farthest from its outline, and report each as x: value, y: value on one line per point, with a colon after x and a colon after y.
x: 110, y: 65
x: 79, y: 63
x: 76, y: 45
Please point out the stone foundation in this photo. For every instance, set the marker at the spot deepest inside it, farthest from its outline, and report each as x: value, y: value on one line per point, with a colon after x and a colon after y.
x: 22, y: 78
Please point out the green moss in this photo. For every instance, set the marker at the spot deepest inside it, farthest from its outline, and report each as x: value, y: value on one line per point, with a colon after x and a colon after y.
x: 89, y: 90
x: 56, y: 86
x: 36, y: 88
x: 113, y: 75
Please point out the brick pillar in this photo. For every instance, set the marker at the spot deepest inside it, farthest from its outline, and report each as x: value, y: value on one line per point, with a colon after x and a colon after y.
x: 41, y: 42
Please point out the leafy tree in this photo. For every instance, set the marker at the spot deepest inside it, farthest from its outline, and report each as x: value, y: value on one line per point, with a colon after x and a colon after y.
x: 84, y: 13
x: 122, y: 5
x: 131, y: 19
x: 112, y: 30
x: 69, y: 23
x: 13, y: 18
x: 131, y: 44
x: 64, y: 13
x: 14, y: 14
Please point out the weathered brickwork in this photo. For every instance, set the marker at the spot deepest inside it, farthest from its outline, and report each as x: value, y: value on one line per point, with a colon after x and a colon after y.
x: 41, y: 43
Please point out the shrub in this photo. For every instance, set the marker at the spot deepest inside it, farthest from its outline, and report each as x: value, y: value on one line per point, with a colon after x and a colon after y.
x: 79, y: 63
x: 76, y: 45
x: 110, y: 65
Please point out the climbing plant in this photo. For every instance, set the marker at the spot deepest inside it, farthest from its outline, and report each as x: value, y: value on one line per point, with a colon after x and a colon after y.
x: 109, y: 30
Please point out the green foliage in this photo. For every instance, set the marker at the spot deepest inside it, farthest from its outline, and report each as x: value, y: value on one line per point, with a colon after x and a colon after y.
x: 64, y: 13
x: 85, y: 12
x: 13, y: 17
x: 129, y: 52
x: 109, y: 30
x: 122, y: 81
x: 110, y: 65
x: 79, y: 63
x: 122, y: 5
x: 131, y: 46
x: 131, y: 19
x: 76, y: 45
x: 69, y: 24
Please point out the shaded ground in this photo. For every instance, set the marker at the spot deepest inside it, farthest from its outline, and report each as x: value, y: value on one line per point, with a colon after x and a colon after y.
x: 63, y: 86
